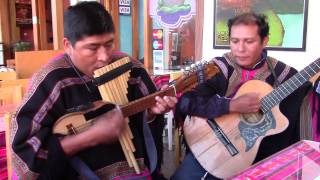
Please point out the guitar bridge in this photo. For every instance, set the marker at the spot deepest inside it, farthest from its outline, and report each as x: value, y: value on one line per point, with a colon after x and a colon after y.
x: 222, y: 137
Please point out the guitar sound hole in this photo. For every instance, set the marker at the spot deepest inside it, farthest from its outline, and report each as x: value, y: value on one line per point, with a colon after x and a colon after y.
x: 252, y: 118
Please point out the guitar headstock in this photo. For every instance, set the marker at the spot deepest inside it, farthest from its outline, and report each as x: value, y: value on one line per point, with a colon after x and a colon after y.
x: 190, y: 77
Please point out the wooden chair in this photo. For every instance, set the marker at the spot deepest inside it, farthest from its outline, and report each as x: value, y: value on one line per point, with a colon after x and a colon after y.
x: 7, y: 118
x: 10, y: 95
x: 29, y: 62
x: 9, y: 75
x: 16, y: 82
x: 11, y: 63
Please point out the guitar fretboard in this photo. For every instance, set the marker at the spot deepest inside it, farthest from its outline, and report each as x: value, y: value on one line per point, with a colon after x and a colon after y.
x: 143, y: 103
x: 286, y: 88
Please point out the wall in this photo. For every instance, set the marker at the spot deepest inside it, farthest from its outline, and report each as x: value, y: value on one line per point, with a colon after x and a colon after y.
x: 125, y: 29
x: 141, y: 30
x: 296, y: 59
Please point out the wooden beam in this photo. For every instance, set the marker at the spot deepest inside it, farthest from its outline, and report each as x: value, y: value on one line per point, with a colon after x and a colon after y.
x: 35, y: 25
x: 42, y: 17
x: 5, y: 27
x: 115, y: 17
x: 147, y: 37
x: 135, y: 29
x: 108, y: 5
x: 14, y: 29
x: 199, y: 29
x: 57, y: 24
x: 113, y: 8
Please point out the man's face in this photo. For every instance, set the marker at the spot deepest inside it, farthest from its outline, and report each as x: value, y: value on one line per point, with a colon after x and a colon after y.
x: 91, y: 52
x: 246, y: 44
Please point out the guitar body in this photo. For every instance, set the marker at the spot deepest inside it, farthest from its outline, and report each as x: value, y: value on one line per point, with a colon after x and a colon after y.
x: 70, y: 123
x: 245, y: 131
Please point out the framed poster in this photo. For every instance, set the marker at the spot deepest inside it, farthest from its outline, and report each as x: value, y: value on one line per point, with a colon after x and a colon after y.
x: 287, y: 21
x: 23, y: 13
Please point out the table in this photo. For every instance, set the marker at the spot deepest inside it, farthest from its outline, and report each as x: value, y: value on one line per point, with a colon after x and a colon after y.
x: 299, y: 161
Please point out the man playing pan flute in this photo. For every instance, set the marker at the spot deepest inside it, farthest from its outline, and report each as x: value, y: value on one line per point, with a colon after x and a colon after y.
x: 65, y: 85
x: 217, y: 97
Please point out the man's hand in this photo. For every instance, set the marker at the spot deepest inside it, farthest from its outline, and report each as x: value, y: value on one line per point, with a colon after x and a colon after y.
x: 105, y: 129
x: 247, y: 103
x: 164, y: 104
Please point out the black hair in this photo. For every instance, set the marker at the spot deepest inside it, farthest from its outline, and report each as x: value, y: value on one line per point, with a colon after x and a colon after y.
x: 86, y: 19
x: 251, y: 18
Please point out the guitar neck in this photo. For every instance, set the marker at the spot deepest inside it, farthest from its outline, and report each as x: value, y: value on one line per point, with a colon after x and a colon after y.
x: 146, y: 102
x: 289, y: 86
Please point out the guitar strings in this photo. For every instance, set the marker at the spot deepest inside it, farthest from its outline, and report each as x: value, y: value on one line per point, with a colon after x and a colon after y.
x: 83, y: 127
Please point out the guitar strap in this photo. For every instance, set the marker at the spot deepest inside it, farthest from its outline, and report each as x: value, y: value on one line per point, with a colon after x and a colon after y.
x: 82, y: 169
x: 276, y: 81
x: 147, y: 135
x: 150, y: 144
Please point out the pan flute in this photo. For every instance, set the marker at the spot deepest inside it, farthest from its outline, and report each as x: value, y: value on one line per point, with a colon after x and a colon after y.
x: 115, y: 91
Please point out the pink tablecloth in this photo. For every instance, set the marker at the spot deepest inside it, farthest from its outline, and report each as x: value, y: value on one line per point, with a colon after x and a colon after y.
x: 298, y: 161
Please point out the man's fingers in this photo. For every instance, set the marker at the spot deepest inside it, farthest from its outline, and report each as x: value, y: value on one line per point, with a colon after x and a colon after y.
x: 171, y: 101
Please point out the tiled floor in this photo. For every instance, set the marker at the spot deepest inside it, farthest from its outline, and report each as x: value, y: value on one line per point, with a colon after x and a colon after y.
x: 169, y: 164
x: 170, y: 159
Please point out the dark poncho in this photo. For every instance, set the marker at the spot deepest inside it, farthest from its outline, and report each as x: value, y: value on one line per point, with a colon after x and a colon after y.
x: 54, y: 89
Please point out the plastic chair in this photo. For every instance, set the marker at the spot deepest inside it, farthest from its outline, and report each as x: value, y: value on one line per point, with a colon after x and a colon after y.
x: 169, y: 127
x: 173, y: 76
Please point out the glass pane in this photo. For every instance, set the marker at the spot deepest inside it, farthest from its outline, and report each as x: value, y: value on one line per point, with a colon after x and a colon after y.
x: 173, y: 38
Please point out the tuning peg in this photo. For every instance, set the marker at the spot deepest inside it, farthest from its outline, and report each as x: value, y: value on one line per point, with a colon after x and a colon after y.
x: 187, y: 69
x: 208, y: 60
x: 204, y: 61
x: 193, y: 67
x: 184, y: 72
x: 199, y: 64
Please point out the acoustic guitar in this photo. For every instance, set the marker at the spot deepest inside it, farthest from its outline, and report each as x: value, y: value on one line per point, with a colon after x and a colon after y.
x: 228, y: 144
x: 80, y: 121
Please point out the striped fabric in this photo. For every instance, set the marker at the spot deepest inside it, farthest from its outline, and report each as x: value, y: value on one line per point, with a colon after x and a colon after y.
x: 299, y: 161
x: 161, y: 80
x: 3, y: 159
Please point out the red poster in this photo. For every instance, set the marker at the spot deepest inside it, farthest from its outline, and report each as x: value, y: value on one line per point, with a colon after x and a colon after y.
x: 23, y: 13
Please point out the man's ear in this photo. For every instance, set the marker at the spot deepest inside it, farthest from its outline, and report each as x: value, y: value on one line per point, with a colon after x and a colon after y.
x: 265, y: 41
x: 67, y: 46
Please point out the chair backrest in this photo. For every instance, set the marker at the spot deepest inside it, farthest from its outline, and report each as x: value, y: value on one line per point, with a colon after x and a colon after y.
x: 29, y: 62
x: 11, y: 63
x: 16, y: 82
x: 7, y: 118
x: 10, y: 95
x: 8, y: 75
